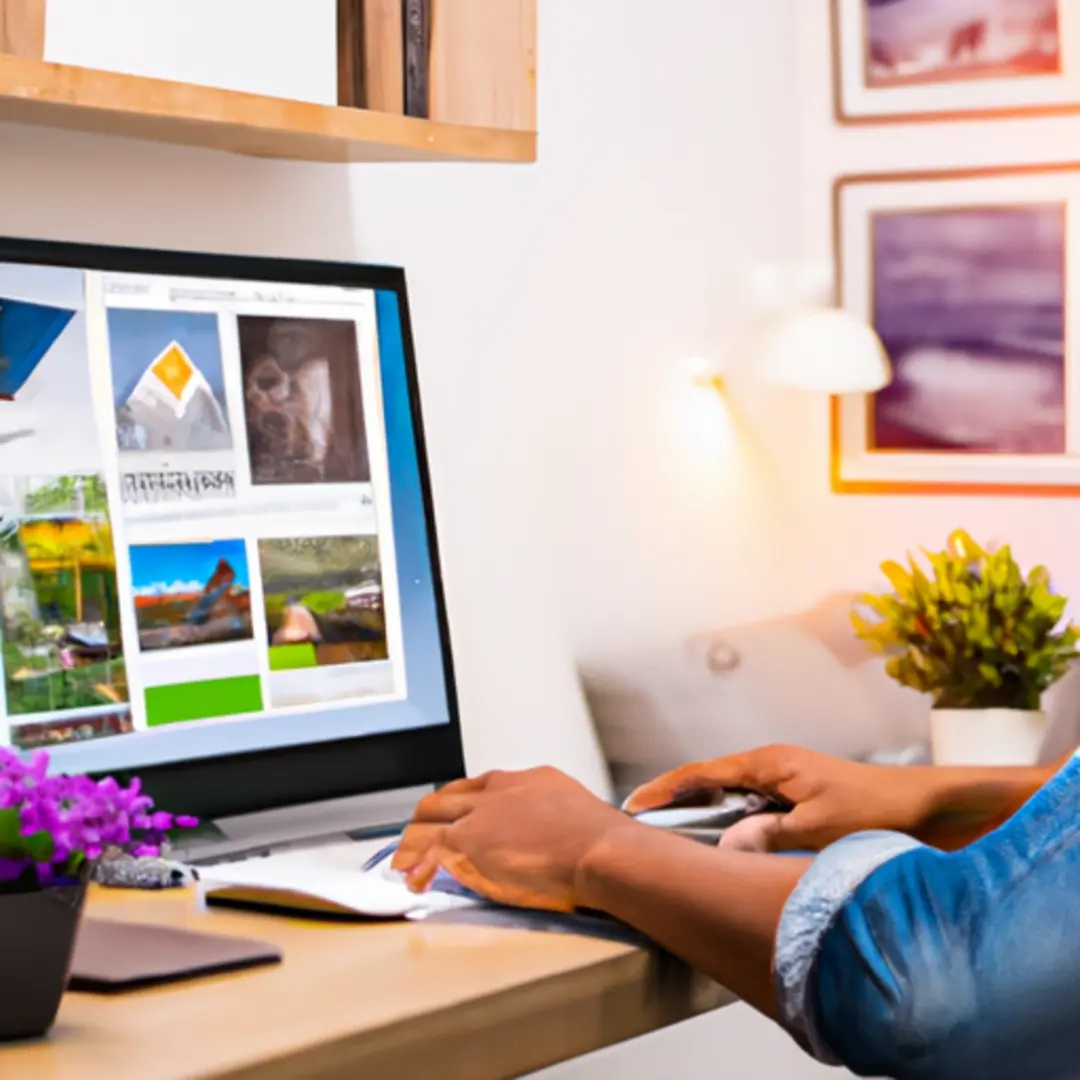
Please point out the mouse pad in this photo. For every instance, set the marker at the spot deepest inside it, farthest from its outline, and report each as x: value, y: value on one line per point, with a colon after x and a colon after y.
x: 115, y: 957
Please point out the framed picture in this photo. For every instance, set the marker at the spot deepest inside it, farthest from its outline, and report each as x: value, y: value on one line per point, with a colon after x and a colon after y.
x: 970, y: 279
x: 903, y: 60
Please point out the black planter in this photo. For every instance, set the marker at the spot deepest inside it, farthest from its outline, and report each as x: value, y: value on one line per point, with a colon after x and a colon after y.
x: 37, y: 941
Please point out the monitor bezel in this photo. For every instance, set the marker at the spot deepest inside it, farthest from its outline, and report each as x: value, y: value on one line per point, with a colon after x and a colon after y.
x: 239, y: 784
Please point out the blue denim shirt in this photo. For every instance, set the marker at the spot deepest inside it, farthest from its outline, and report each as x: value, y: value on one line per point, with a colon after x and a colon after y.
x: 898, y: 960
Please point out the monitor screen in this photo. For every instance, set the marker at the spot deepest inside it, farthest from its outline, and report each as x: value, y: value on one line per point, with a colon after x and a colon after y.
x: 215, y: 529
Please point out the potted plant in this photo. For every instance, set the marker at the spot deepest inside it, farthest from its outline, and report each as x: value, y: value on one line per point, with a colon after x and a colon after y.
x: 52, y: 831
x: 982, y: 639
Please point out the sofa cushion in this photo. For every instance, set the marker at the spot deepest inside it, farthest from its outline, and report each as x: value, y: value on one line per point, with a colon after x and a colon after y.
x: 795, y: 680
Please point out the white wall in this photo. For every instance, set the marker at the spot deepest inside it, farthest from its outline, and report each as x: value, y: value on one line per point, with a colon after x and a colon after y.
x: 283, y: 48
x: 556, y: 302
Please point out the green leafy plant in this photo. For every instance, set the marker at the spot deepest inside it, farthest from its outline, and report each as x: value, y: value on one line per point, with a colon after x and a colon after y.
x: 972, y: 630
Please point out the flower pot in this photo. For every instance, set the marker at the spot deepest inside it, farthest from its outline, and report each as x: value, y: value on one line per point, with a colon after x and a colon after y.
x: 39, y: 928
x: 987, y: 736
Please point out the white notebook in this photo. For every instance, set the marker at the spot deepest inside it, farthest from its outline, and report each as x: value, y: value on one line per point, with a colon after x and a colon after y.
x: 325, y: 880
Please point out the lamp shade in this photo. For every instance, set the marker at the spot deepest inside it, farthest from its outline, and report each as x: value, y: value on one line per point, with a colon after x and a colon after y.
x: 823, y: 349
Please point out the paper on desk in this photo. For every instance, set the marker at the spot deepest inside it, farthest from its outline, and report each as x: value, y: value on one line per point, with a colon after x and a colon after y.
x: 305, y: 884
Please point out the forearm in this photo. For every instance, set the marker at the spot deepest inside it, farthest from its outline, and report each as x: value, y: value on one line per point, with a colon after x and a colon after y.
x: 717, y: 910
x: 962, y: 804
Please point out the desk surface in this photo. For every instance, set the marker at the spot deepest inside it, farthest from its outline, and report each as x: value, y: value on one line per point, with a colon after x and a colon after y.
x: 460, y: 1002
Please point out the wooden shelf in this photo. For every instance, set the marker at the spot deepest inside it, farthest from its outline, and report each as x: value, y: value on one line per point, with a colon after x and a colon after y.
x: 79, y: 99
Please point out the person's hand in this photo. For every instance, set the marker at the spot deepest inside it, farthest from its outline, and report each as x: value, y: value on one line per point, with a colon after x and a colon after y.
x: 831, y: 798
x: 515, y: 838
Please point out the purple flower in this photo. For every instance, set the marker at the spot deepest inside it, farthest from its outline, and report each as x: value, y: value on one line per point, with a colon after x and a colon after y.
x: 13, y: 869
x: 58, y: 822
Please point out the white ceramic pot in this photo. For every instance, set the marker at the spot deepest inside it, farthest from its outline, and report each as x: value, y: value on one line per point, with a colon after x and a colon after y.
x: 987, y: 736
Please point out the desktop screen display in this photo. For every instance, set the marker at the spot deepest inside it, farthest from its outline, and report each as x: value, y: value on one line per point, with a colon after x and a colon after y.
x: 213, y: 537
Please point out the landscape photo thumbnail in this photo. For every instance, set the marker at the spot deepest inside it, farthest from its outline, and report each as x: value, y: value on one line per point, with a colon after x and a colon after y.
x: 61, y: 618
x: 191, y: 593
x: 168, y: 384
x: 324, y: 601
x: 44, y: 736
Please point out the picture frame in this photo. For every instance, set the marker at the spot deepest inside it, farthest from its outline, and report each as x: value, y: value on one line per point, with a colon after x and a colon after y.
x: 900, y: 61
x: 968, y: 277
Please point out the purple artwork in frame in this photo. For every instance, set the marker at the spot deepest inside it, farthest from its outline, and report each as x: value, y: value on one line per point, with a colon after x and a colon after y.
x: 970, y: 303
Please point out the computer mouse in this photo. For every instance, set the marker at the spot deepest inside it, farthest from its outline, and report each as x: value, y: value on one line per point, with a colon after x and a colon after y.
x: 381, y: 864
x: 708, y: 822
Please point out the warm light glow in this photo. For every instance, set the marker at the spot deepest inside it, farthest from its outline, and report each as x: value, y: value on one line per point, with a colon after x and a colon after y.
x: 703, y: 374
x: 822, y: 349
x: 704, y: 423
x: 696, y: 367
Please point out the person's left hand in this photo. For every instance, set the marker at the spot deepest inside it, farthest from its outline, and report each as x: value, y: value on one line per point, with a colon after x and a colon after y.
x: 515, y: 838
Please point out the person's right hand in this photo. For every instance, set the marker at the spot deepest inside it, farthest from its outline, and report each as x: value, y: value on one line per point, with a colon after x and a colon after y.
x: 831, y: 797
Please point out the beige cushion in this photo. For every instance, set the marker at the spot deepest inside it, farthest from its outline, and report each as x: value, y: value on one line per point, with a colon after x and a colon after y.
x: 797, y: 680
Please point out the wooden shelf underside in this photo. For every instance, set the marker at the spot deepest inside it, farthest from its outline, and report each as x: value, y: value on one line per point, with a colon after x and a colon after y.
x: 79, y: 99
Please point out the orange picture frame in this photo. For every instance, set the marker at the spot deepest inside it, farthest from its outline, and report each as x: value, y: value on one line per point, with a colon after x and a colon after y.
x: 856, y: 467
x: 1048, y: 85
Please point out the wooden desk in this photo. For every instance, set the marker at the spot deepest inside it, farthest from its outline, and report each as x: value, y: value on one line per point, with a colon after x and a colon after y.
x: 397, y: 1000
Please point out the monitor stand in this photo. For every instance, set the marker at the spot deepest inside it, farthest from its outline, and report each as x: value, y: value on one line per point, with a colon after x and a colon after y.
x: 363, y: 817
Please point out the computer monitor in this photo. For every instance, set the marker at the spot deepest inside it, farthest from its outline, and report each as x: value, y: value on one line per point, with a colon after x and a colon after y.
x: 218, y: 562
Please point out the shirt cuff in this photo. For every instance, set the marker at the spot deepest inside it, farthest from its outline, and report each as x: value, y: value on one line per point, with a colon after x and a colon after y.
x: 811, y: 910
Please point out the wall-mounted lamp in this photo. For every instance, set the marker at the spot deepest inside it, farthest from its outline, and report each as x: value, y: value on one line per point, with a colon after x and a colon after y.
x: 824, y: 349
x: 817, y: 348
x: 803, y: 340
x: 705, y: 375
x: 704, y: 417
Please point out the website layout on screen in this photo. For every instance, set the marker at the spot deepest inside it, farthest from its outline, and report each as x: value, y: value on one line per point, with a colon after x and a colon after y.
x: 195, y: 510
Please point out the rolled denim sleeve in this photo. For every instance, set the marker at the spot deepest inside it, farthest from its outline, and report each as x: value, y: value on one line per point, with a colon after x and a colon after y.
x: 811, y: 911
x: 895, y: 959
